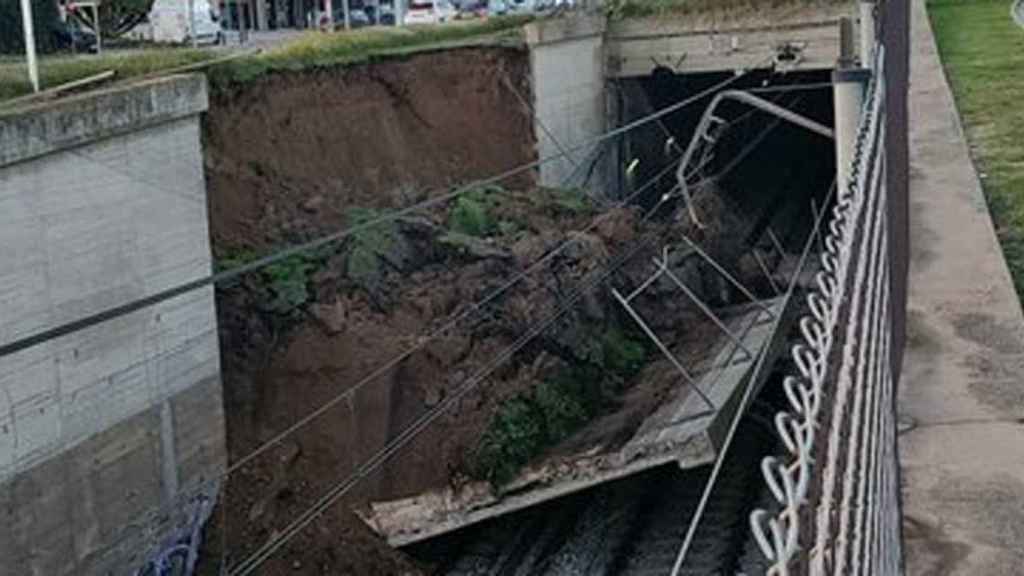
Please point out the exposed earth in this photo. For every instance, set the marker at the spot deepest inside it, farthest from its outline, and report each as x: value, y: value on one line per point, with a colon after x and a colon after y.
x: 299, y: 155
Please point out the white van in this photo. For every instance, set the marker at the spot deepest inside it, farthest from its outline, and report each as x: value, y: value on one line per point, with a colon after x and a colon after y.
x: 429, y: 12
x: 170, y: 21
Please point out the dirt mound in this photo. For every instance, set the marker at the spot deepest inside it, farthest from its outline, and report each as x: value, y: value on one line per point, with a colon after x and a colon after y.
x: 291, y: 153
x: 298, y: 155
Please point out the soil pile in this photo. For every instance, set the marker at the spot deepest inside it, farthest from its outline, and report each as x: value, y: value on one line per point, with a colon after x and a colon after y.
x: 371, y: 320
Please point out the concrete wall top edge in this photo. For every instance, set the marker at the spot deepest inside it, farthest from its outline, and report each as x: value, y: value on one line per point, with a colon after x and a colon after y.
x: 37, y: 130
x: 564, y: 29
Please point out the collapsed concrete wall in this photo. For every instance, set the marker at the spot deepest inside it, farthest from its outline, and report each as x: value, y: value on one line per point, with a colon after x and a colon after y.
x: 107, y: 434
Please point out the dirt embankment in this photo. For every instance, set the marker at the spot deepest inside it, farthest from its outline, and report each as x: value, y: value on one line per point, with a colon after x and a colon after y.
x: 292, y: 157
x: 289, y: 154
x: 298, y: 155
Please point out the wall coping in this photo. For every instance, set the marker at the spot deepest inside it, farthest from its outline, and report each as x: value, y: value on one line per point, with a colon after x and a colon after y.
x: 564, y: 29
x: 39, y: 129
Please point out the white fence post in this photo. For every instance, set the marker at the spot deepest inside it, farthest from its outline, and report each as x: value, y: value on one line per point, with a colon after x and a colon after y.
x: 30, y: 43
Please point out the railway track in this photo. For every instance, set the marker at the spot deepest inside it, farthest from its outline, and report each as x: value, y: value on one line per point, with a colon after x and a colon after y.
x: 632, y: 527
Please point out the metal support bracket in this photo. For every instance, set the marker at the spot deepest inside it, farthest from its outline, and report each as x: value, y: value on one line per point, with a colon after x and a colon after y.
x: 708, y: 120
x: 662, y: 269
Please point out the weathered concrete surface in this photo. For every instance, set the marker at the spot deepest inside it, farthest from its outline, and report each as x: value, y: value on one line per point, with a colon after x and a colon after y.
x: 636, y: 47
x: 102, y: 201
x: 570, y: 109
x: 39, y: 129
x: 961, y: 400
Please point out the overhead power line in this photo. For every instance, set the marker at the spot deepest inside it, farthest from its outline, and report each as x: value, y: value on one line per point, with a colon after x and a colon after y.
x: 746, y: 398
x: 228, y: 275
x: 250, y: 564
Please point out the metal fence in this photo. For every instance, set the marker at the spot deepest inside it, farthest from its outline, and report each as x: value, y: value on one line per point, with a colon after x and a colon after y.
x: 837, y: 486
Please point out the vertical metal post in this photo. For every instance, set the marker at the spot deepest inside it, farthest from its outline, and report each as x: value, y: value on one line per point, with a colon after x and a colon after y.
x: 192, y: 23
x: 30, y: 43
x: 96, y: 27
x: 867, y: 33
x: 848, y: 99
x: 243, y: 27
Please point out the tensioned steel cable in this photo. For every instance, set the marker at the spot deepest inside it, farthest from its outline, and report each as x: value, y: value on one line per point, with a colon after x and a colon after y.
x: 747, y: 394
x: 145, y: 302
x: 408, y: 434
x: 250, y: 564
x: 421, y: 342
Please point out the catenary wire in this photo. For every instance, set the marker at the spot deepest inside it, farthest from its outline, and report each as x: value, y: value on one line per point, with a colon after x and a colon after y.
x: 251, y: 563
x: 145, y: 302
x: 473, y: 308
x: 747, y: 394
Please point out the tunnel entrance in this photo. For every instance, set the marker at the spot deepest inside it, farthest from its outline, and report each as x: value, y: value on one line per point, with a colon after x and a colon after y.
x: 776, y: 173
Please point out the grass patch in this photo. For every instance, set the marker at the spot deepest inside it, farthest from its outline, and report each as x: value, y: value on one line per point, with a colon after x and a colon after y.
x: 982, y: 50
x: 57, y: 70
x: 318, y: 50
x: 471, y: 213
x: 309, y: 51
x: 620, y: 9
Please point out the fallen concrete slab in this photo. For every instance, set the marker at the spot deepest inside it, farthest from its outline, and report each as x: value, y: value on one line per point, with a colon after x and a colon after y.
x: 683, y: 431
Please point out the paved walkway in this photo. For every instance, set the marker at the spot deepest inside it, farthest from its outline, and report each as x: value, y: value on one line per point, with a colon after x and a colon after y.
x: 961, y: 397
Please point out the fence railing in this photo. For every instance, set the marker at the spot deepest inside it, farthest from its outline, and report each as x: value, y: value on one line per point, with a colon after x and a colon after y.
x: 836, y: 486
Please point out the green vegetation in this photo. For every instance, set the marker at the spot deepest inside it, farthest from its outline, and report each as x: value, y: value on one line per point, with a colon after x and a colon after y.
x: 619, y: 9
x: 119, y: 17
x: 318, y: 50
x: 372, y: 247
x: 57, y: 70
x: 470, y: 215
x: 287, y: 282
x: 527, y: 424
x: 982, y: 50
x: 573, y: 200
x: 281, y: 288
x: 310, y: 51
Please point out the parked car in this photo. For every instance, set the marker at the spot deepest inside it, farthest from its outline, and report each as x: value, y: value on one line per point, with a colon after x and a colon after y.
x: 357, y: 18
x: 387, y: 14
x: 497, y: 8
x: 429, y: 12
x: 171, y: 22
x: 472, y: 9
x: 72, y: 36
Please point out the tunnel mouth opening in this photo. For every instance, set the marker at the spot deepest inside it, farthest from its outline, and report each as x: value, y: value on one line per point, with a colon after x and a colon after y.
x: 772, y: 175
x: 768, y: 170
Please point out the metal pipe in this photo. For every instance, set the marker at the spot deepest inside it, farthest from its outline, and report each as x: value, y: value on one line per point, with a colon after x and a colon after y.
x: 732, y: 280
x: 30, y: 44
x: 708, y: 117
x: 867, y: 33
x: 664, y: 349
x: 765, y: 271
x: 848, y: 91
x: 192, y: 23
x: 705, y: 309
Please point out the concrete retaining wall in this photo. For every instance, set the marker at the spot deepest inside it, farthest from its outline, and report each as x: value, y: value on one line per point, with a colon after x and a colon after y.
x: 567, y: 68
x: 106, y: 433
